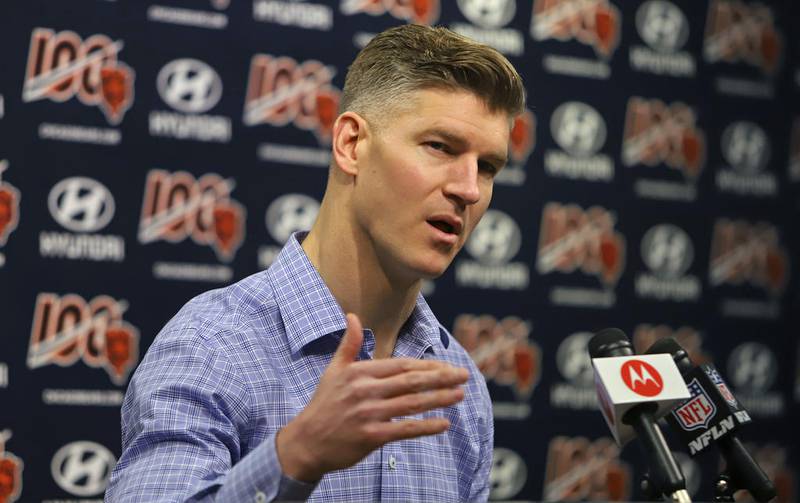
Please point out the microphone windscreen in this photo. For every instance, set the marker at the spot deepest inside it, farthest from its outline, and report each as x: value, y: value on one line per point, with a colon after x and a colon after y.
x: 665, y: 345
x: 609, y: 342
x: 670, y: 346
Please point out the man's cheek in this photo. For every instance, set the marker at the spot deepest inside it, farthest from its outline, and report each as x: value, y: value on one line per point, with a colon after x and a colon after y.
x: 480, y: 211
x: 471, y: 227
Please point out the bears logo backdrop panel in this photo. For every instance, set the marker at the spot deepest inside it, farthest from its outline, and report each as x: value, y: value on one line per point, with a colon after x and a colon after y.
x: 153, y: 150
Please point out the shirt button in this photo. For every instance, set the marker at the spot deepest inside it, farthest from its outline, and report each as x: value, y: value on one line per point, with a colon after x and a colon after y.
x: 260, y: 497
x: 392, y: 463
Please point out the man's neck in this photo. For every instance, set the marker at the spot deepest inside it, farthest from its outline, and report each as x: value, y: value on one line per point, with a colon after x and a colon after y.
x: 350, y: 268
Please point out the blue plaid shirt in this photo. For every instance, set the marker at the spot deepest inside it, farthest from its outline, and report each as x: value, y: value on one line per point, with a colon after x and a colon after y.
x: 236, y: 364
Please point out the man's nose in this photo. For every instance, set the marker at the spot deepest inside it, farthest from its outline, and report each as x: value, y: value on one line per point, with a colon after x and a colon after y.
x: 462, y: 183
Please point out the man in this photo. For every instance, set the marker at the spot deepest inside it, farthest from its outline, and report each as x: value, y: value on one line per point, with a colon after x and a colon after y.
x: 266, y: 390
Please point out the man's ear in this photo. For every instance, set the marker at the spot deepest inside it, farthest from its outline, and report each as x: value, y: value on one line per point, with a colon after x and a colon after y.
x: 348, y: 130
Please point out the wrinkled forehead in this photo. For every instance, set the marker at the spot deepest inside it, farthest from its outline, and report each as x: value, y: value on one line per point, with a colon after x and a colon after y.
x: 409, y: 101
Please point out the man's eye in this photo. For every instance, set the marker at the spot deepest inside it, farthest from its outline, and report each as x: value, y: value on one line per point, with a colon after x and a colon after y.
x: 438, y: 146
x: 487, y: 167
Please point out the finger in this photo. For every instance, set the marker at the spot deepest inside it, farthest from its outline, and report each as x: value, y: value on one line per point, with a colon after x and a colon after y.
x: 350, y: 345
x: 390, y: 431
x: 417, y: 381
x: 415, y: 403
x: 386, y: 367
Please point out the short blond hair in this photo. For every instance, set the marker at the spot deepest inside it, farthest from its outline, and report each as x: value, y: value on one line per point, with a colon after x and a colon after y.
x: 410, y: 58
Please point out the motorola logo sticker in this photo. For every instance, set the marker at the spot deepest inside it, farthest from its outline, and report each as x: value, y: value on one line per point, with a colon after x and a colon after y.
x: 578, y: 129
x: 662, y: 25
x: 495, y: 240
x: 82, y: 468
x: 642, y: 378
x: 189, y: 85
x: 81, y: 204
x: 489, y: 14
x: 667, y: 251
x: 290, y: 213
x: 573, y: 359
x: 745, y: 147
x: 508, y: 476
x: 752, y: 368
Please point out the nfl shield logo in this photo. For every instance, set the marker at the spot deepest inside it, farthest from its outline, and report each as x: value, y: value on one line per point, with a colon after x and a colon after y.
x: 726, y: 394
x: 698, y: 411
x: 723, y: 388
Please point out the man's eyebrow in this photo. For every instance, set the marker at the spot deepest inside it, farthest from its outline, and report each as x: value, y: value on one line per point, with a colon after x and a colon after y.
x: 449, y: 137
x: 498, y: 160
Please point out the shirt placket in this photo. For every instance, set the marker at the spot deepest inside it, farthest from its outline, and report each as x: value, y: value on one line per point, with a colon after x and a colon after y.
x: 396, y: 483
x: 393, y: 474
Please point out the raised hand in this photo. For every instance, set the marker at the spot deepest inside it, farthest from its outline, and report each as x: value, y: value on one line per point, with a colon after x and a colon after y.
x: 351, y: 412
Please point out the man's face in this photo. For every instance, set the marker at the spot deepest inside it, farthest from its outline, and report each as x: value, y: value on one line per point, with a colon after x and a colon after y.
x: 425, y: 179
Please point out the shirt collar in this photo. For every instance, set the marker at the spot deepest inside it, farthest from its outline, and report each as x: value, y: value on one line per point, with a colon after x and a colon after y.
x: 423, y: 330
x: 309, y: 310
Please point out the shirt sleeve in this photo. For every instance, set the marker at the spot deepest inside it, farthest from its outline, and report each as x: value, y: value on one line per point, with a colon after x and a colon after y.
x: 480, y: 482
x: 183, y: 418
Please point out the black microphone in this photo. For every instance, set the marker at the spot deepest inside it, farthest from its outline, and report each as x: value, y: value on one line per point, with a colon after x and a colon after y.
x: 665, y: 474
x: 714, y: 414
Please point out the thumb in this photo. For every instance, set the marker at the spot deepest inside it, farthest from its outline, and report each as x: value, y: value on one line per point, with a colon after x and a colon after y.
x: 350, y: 345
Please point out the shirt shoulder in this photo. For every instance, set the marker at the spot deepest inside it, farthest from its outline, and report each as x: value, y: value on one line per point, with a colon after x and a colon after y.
x: 240, y: 323
x: 455, y: 354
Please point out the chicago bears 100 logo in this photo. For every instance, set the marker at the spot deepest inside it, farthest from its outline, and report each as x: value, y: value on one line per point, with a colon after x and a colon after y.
x: 592, y: 22
x: 412, y: 11
x: 521, y: 143
x: 645, y: 335
x: 67, y: 328
x: 738, y: 32
x: 745, y: 253
x: 9, y: 206
x: 571, y: 238
x: 656, y: 133
x: 502, y: 350
x: 281, y: 91
x: 523, y: 137
x: 10, y: 471
x: 62, y: 65
x: 177, y: 206
x: 579, y: 469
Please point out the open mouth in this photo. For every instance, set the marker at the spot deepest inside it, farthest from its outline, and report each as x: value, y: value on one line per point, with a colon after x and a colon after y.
x: 442, y: 226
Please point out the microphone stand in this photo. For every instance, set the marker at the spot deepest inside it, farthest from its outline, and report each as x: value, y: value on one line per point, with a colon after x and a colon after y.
x: 653, y: 494
x: 724, y: 489
x: 741, y: 472
x: 665, y: 477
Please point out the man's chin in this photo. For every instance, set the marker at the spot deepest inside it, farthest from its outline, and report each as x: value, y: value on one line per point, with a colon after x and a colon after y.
x: 424, y: 266
x: 432, y: 275
x: 433, y: 269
